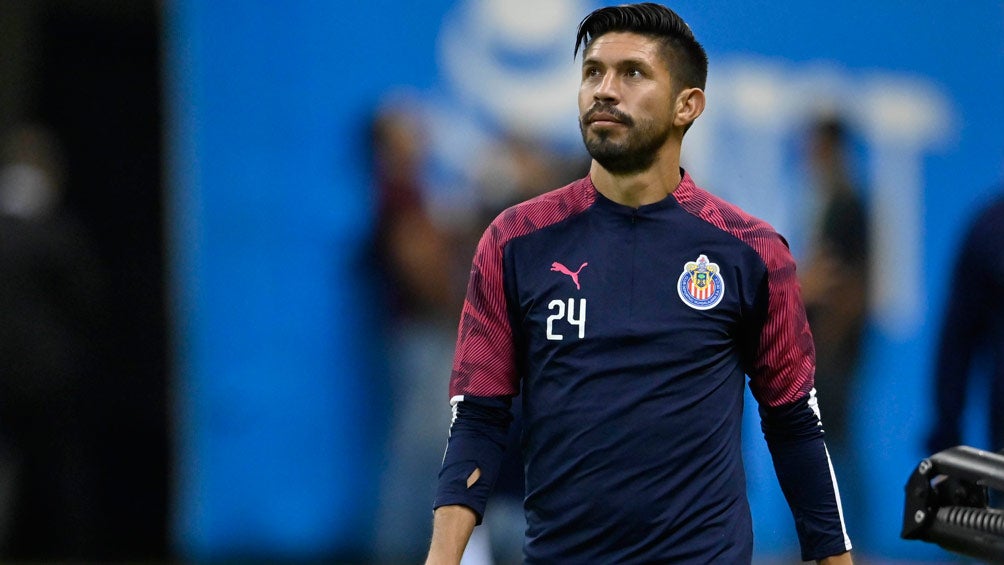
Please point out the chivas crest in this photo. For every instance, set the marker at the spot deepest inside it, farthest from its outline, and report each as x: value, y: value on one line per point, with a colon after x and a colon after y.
x: 701, y: 286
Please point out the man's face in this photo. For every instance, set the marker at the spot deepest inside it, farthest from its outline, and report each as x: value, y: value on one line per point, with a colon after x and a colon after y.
x: 626, y: 101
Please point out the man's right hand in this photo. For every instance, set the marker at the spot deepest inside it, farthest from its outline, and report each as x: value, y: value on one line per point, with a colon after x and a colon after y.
x: 452, y: 527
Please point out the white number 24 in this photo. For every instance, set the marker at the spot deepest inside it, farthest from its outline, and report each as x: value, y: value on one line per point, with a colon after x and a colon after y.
x: 558, y: 307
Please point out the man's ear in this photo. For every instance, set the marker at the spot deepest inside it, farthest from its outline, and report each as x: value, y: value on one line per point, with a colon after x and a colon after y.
x: 689, y: 105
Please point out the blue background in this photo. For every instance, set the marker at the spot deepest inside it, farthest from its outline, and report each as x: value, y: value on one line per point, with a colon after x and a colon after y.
x: 278, y: 403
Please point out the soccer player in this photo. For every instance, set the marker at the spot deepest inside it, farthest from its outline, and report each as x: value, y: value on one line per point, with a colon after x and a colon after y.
x: 628, y: 307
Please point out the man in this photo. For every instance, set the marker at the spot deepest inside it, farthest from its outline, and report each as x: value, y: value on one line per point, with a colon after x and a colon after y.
x: 627, y: 307
x: 835, y: 277
x: 972, y: 332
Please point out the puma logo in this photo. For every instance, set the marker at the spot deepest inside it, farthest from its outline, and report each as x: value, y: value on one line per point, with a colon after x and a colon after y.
x: 556, y: 266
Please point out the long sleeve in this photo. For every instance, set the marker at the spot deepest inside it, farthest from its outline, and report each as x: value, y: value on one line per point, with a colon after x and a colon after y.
x: 781, y: 373
x: 794, y: 436
x: 474, y: 453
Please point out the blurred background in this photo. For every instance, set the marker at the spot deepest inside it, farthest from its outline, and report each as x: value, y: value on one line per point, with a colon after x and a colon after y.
x: 234, y: 237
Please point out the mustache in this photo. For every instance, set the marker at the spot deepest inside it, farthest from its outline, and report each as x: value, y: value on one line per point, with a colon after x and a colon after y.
x: 607, y: 109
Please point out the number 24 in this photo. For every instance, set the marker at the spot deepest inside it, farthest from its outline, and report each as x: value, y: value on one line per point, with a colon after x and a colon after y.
x: 558, y: 307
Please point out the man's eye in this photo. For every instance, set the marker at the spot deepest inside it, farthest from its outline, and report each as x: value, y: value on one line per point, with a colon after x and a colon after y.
x: 634, y: 73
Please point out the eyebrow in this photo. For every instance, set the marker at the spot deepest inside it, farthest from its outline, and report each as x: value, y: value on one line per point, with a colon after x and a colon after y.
x: 631, y: 61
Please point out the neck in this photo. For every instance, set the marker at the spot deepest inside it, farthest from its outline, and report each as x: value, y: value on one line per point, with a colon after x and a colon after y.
x: 643, y: 187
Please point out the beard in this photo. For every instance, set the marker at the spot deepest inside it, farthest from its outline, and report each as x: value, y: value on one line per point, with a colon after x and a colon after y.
x: 633, y: 154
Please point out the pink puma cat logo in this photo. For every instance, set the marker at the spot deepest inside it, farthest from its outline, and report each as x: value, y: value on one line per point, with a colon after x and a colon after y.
x: 556, y: 266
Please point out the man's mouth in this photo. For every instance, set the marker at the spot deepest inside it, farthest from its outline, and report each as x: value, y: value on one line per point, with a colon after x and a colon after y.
x: 603, y: 117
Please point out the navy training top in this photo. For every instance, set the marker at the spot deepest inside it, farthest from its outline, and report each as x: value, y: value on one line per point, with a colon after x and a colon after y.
x: 630, y: 332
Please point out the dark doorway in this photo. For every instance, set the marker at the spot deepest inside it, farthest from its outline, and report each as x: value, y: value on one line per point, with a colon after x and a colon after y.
x: 91, y: 73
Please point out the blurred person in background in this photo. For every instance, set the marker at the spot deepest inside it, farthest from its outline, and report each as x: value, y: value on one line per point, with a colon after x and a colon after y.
x: 414, y: 260
x: 972, y: 333
x: 835, y: 276
x: 51, y: 296
x: 423, y: 267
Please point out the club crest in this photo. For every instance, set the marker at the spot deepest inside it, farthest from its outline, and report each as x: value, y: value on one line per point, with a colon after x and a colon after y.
x: 701, y: 286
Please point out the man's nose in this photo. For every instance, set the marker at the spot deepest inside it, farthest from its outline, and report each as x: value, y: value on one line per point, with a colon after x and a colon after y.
x: 606, y: 90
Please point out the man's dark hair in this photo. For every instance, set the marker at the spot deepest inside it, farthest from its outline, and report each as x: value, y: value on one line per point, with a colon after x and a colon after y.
x: 686, y: 58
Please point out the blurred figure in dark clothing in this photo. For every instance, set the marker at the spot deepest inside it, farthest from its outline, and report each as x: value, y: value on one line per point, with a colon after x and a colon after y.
x: 835, y: 276
x: 972, y: 332
x: 50, y: 312
x: 414, y: 253
x: 417, y: 262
